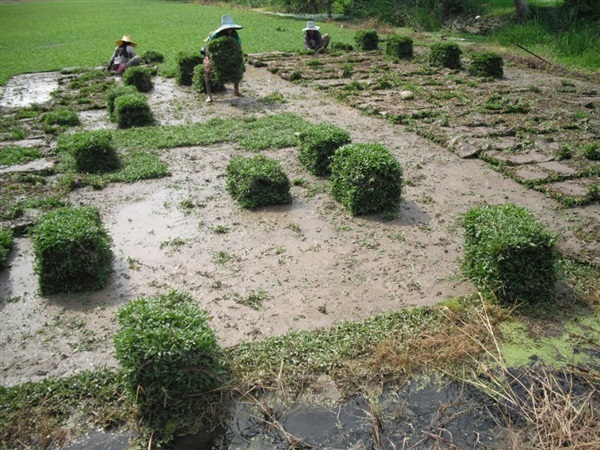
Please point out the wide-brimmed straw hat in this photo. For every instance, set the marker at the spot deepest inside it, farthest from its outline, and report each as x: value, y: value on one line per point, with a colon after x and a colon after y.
x: 310, y: 25
x: 126, y: 38
x: 227, y: 22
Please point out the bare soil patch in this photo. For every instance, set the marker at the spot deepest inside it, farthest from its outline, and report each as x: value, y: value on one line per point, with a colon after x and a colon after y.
x: 300, y: 266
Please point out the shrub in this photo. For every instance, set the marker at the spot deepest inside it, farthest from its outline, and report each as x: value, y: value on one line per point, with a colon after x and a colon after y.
x: 366, y: 178
x: 317, y: 146
x: 591, y: 151
x: 200, y: 85
x: 140, y: 77
x: 92, y: 151
x: 367, y: 39
x: 399, y: 47
x: 152, y: 56
x: 445, y: 54
x: 115, y: 92
x: 6, y: 240
x: 508, y: 253
x: 185, y: 67
x: 132, y: 110
x: 71, y: 251
x: 168, y: 354
x: 226, y: 59
x: 486, y: 64
x: 257, y: 181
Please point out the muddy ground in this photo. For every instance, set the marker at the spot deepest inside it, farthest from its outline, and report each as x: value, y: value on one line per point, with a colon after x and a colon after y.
x: 308, y: 264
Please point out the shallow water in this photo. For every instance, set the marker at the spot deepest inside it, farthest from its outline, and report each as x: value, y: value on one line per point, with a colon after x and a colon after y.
x: 421, y: 414
x: 28, y: 89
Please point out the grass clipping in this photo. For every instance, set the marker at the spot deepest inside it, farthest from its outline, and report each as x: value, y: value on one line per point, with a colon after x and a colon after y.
x: 227, y: 60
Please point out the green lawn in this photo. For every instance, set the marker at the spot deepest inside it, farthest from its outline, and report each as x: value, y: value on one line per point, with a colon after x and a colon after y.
x: 51, y: 35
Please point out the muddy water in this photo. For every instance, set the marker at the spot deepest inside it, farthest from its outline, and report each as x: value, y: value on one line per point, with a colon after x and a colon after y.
x: 422, y: 414
x: 28, y: 89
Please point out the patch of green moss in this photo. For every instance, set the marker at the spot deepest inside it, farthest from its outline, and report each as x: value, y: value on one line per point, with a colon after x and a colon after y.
x: 573, y: 344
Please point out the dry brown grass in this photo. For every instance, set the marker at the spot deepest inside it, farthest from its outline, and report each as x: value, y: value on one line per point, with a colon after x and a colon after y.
x: 543, y: 408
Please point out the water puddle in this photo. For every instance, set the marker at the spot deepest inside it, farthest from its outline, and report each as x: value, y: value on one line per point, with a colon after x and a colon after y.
x: 28, y: 89
x: 420, y: 415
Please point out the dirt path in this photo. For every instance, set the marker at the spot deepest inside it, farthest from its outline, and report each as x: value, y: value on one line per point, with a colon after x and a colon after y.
x: 266, y: 272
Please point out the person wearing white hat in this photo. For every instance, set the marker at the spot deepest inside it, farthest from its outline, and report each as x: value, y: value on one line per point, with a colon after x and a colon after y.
x: 124, y: 56
x: 312, y: 37
x: 228, y: 28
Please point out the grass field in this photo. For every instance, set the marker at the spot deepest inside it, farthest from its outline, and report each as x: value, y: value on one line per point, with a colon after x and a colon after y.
x: 51, y: 35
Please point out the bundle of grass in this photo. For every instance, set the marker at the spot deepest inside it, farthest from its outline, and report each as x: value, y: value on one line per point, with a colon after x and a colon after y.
x: 509, y: 254
x: 152, y: 56
x: 140, y: 77
x: 199, y: 84
x: 226, y: 59
x: 399, y: 47
x: 169, y: 356
x: 92, y: 151
x: 71, y: 250
x: 6, y: 240
x: 185, y: 67
x: 60, y: 117
x: 445, y: 54
x: 367, y: 40
x: 257, y: 181
x: 132, y: 110
x: 115, y: 92
x: 341, y: 47
x: 486, y: 64
x: 317, y: 146
x: 366, y: 179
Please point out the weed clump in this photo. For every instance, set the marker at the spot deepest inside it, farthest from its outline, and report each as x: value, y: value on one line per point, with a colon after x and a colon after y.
x: 509, y: 254
x: 72, y: 251
x: 591, y: 151
x: 199, y: 84
x: 132, y: 110
x: 115, y: 92
x: 445, y: 54
x: 169, y: 357
x: 317, y: 146
x: 366, y: 179
x: 257, y: 181
x: 226, y: 59
x: 185, y: 67
x: 6, y: 240
x: 140, y: 77
x: 399, y: 47
x: 367, y: 40
x: 152, y: 56
x: 92, y: 151
x: 486, y: 64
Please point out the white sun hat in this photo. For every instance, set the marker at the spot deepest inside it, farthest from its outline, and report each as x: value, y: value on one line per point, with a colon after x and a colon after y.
x: 227, y: 22
x: 310, y: 25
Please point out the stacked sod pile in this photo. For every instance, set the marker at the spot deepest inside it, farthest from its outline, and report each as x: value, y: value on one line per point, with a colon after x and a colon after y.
x: 226, y: 59
x: 317, y: 146
x: 366, y: 179
x: 170, y: 358
x: 257, y: 181
x: 72, y: 251
x: 508, y: 254
x: 90, y: 151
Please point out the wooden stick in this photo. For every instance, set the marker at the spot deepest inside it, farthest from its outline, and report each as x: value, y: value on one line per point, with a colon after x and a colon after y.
x: 520, y: 46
